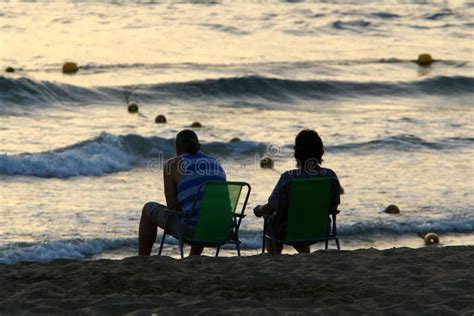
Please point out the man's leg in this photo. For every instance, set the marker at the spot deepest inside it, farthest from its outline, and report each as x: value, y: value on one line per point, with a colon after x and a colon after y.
x: 302, y: 248
x: 146, y: 233
x: 158, y: 215
x: 269, y: 245
x: 196, y: 250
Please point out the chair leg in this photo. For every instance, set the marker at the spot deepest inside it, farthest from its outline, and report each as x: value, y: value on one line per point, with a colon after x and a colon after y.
x: 326, y: 246
x: 161, y: 244
x: 181, y: 249
x: 337, y: 244
x: 217, y: 251
x: 272, y: 237
x: 238, y: 249
x: 263, y: 236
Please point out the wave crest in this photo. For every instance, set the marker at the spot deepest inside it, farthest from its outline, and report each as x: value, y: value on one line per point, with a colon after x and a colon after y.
x: 403, y: 142
x: 25, y: 91
x: 109, y: 153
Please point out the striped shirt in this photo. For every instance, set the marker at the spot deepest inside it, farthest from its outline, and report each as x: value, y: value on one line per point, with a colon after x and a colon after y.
x: 197, y: 169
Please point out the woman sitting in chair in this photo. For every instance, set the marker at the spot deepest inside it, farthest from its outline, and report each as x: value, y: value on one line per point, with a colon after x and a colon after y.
x: 308, y: 154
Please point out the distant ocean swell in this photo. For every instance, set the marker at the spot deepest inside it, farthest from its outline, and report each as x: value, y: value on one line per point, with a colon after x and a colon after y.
x: 100, y: 68
x: 86, y: 248
x: 25, y: 91
x: 110, y: 153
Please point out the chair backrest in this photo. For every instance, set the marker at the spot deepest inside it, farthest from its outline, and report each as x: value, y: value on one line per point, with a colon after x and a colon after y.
x: 309, y: 203
x: 216, y: 212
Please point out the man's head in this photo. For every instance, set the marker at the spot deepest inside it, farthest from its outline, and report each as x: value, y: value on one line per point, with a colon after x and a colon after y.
x: 187, y: 142
x: 309, y: 148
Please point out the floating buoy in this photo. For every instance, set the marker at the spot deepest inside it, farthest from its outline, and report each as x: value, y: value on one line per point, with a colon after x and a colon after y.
x: 392, y: 209
x: 196, y: 125
x: 160, y: 119
x: 424, y: 60
x: 431, y: 239
x: 235, y: 140
x: 10, y: 69
x: 132, y: 107
x: 266, y: 163
x: 70, y: 68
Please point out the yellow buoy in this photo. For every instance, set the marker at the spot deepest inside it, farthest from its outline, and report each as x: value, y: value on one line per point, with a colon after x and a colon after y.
x: 431, y: 239
x: 424, y: 60
x: 10, y: 69
x: 196, y: 125
x: 392, y: 209
x: 235, y: 140
x: 266, y: 163
x: 70, y: 68
x: 132, y: 107
x: 160, y: 119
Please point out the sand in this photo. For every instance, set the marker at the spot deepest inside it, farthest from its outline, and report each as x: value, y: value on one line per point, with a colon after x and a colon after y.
x: 431, y: 281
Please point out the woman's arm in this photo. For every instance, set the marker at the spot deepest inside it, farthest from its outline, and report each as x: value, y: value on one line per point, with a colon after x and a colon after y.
x: 273, y: 200
x: 261, y: 210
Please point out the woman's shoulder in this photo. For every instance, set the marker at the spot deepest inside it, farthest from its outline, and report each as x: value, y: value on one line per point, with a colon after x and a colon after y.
x: 298, y: 173
x: 289, y: 174
x: 327, y: 172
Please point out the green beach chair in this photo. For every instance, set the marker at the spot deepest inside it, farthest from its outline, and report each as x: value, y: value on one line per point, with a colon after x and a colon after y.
x: 218, y: 222
x: 309, y: 207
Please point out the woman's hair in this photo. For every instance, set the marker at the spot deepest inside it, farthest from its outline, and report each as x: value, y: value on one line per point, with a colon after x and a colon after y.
x: 309, y: 149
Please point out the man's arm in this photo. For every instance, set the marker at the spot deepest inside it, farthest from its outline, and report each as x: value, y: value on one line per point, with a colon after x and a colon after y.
x: 171, y: 192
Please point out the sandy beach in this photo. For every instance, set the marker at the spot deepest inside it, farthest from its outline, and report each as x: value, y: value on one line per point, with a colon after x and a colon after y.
x: 93, y: 96
x: 398, y: 281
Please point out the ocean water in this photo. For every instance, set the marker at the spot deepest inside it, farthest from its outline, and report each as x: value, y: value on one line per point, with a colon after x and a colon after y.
x: 76, y: 167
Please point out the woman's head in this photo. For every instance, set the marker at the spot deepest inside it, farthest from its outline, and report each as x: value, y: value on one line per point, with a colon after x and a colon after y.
x: 309, y: 149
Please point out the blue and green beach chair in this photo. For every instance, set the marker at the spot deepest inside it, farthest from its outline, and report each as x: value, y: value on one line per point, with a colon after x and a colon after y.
x: 309, y: 208
x: 218, y: 220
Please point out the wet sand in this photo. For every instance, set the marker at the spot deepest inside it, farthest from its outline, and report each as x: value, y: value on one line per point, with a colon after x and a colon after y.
x: 396, y: 281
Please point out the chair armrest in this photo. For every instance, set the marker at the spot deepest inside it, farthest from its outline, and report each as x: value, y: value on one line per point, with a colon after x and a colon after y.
x: 268, y: 216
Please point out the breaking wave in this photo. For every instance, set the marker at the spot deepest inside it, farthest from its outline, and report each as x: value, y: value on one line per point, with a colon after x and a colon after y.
x: 110, y: 153
x: 79, y: 249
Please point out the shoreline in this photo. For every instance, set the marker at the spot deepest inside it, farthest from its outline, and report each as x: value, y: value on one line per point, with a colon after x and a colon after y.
x: 429, y: 280
x: 122, y: 248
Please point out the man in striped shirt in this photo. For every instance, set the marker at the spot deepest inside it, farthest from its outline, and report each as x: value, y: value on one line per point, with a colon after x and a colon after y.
x: 183, y: 175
